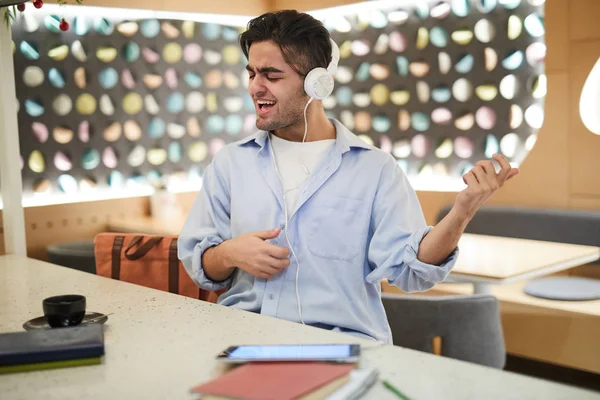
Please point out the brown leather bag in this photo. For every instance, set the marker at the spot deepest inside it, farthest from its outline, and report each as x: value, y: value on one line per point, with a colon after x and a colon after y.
x: 146, y: 260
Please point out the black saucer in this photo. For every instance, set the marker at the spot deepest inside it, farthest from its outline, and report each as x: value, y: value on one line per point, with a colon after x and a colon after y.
x: 41, y: 323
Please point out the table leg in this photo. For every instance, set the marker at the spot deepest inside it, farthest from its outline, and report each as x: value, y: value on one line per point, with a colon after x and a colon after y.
x: 482, y: 288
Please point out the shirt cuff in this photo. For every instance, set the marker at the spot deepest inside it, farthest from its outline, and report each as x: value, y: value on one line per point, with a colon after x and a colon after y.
x: 428, y: 274
x: 199, y: 275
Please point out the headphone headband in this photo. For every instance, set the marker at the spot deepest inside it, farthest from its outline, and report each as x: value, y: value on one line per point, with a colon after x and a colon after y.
x: 335, y: 58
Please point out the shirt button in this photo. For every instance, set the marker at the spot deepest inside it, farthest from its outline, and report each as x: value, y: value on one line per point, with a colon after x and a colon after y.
x: 271, y: 297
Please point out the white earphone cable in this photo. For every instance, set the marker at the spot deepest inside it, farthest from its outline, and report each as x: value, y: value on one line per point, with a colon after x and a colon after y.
x: 285, y: 211
x: 305, y: 132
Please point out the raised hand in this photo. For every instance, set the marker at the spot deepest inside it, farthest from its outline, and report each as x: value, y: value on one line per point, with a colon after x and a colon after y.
x: 482, y: 182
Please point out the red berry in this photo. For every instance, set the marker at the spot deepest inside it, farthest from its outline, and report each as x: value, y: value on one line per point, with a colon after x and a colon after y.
x: 64, y: 25
x: 21, y: 7
x: 38, y: 3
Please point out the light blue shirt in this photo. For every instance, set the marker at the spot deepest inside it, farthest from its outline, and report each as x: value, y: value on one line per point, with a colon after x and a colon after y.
x: 356, y: 222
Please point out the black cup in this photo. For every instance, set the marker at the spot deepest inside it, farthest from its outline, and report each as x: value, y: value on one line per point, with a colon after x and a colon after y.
x: 63, y: 311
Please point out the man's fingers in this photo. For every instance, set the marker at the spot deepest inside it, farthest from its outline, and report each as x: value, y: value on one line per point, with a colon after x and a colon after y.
x: 500, y: 159
x: 487, y: 166
x: 470, y: 179
x: 265, y: 235
x: 280, y: 264
x: 490, y: 173
x: 277, y: 251
x: 481, y: 176
x: 267, y: 270
x: 513, y: 172
x: 505, y: 168
x: 272, y: 266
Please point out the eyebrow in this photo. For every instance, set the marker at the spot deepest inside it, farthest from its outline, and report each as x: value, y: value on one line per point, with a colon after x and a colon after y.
x: 265, y: 70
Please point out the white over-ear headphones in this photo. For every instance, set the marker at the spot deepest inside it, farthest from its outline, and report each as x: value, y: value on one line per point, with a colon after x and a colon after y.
x: 318, y: 83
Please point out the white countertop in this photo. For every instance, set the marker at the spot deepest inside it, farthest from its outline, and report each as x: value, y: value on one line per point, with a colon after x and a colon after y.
x: 501, y: 260
x: 160, y: 345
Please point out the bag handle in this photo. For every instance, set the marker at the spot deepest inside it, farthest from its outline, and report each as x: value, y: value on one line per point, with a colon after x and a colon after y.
x: 116, y: 257
x: 143, y: 249
x: 173, y: 268
x: 134, y: 241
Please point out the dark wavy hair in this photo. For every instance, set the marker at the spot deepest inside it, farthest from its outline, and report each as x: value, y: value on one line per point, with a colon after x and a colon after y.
x: 303, y: 40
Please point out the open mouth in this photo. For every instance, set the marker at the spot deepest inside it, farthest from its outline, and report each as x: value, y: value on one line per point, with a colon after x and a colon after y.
x: 264, y: 106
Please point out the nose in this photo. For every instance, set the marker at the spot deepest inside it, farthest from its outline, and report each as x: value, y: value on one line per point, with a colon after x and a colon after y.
x: 257, y: 88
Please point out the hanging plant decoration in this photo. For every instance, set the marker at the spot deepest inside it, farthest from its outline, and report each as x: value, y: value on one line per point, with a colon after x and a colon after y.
x: 10, y: 8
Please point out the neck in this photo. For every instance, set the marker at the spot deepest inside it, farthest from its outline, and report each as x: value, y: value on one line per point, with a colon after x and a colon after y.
x: 319, y: 127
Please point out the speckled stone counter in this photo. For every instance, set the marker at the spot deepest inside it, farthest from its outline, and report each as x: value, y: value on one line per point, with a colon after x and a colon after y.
x: 159, y: 345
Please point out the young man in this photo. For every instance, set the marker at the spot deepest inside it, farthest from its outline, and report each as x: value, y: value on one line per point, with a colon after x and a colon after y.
x: 304, y: 225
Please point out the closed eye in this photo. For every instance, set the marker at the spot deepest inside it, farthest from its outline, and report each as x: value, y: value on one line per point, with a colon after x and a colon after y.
x: 266, y: 71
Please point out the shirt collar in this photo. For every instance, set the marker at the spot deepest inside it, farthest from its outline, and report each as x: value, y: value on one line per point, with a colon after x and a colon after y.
x: 345, y: 140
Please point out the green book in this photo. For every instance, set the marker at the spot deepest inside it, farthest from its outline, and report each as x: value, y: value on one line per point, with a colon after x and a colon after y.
x: 11, y: 369
x: 51, y: 348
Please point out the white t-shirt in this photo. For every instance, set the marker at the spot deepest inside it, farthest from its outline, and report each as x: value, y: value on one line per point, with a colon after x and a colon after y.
x: 290, y: 157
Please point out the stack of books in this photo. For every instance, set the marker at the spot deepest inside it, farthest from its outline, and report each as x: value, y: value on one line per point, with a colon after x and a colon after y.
x: 289, y: 380
x: 51, y: 348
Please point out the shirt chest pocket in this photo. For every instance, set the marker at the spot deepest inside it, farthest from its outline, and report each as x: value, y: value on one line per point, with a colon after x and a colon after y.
x: 337, y: 228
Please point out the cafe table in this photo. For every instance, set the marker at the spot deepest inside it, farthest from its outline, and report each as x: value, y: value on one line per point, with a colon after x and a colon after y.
x: 159, y: 345
x: 484, y: 261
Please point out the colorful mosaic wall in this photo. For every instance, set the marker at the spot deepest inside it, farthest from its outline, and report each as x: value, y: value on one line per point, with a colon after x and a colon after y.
x: 118, y: 103
x: 114, y: 103
x: 443, y: 84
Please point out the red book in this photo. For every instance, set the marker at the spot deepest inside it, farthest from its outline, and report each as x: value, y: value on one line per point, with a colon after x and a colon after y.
x: 274, y: 381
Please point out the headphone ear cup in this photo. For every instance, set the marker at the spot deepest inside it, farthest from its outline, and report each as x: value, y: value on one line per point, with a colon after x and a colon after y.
x: 318, y: 83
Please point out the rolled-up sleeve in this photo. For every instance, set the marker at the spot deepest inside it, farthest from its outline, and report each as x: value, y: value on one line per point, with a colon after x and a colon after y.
x: 207, y: 225
x: 397, y: 227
